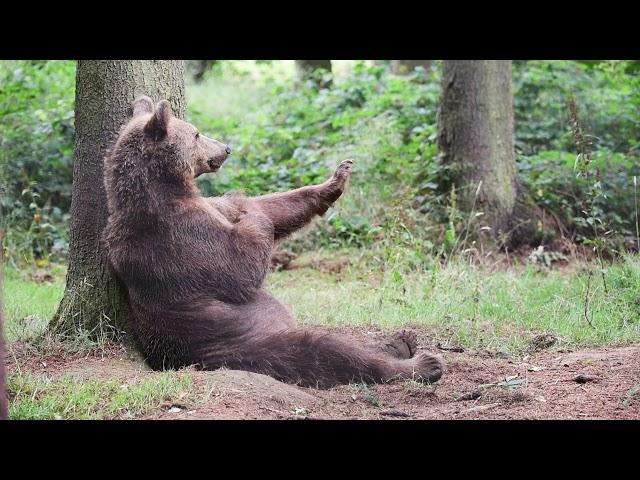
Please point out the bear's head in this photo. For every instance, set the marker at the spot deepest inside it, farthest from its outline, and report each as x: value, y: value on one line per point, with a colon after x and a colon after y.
x: 177, y: 142
x: 157, y: 155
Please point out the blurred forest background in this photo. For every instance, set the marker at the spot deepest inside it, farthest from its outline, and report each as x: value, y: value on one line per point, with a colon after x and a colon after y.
x: 288, y: 130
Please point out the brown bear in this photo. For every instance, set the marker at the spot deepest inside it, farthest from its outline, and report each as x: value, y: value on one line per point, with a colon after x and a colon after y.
x: 194, y: 267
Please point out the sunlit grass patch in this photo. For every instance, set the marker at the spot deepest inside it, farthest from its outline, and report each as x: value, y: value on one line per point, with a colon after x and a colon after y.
x: 471, y: 306
x: 29, y: 304
x: 39, y: 398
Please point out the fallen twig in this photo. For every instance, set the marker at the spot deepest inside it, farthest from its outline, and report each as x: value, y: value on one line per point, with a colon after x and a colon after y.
x: 469, y: 396
x: 395, y: 413
x: 451, y: 349
x: 583, y: 378
x: 483, y: 407
x: 271, y: 409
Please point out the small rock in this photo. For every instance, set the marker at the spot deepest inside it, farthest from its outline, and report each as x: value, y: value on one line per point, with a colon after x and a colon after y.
x: 469, y: 396
x: 174, y: 410
x: 301, y: 417
x: 583, y: 378
x: 394, y: 413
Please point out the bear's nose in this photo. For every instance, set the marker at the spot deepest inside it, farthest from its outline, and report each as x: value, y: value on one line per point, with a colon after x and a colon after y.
x: 228, y: 150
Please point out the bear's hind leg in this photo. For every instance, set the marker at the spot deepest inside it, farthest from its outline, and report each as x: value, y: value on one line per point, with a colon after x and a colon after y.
x: 401, y: 345
x: 320, y: 360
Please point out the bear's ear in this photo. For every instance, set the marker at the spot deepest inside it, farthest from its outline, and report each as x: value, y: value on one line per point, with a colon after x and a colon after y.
x: 142, y: 105
x: 157, y: 126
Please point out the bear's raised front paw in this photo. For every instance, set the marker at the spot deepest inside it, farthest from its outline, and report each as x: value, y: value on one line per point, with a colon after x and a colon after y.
x: 343, y: 169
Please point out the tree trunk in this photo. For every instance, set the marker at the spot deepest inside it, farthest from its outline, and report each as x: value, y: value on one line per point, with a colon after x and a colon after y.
x: 199, y: 68
x: 4, y: 408
x: 403, y: 67
x: 93, y: 300
x: 307, y: 69
x: 476, y: 143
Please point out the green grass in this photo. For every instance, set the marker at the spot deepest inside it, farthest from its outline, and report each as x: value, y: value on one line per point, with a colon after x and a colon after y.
x: 29, y: 305
x: 472, y: 306
x: 41, y: 398
x: 458, y: 304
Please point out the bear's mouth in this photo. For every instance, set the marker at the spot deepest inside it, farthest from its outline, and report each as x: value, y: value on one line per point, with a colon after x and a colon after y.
x: 213, y: 166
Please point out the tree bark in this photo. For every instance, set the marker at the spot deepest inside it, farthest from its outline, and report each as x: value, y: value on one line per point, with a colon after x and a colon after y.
x: 200, y: 68
x: 307, y: 68
x: 404, y: 67
x: 476, y: 144
x: 93, y: 300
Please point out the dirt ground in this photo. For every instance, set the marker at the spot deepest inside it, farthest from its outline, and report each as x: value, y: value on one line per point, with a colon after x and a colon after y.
x: 601, y: 383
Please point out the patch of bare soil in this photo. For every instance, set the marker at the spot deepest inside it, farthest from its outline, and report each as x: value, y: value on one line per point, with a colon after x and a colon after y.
x: 602, y: 383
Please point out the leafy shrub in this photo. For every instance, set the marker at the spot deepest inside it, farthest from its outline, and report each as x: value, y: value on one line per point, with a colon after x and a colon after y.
x: 553, y: 183
x: 386, y: 123
x: 36, y: 154
x: 606, y: 95
x: 285, y: 134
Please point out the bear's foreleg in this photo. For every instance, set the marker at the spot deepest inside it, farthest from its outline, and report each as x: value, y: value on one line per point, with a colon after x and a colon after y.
x: 290, y: 211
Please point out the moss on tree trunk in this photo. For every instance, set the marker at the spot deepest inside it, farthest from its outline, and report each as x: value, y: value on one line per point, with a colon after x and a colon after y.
x: 93, y: 300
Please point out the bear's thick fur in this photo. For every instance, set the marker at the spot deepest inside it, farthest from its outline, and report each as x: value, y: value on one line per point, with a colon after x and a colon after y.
x: 194, y: 267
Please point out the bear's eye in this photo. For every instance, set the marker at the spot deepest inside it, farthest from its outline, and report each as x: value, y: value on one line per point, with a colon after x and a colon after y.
x: 197, y: 135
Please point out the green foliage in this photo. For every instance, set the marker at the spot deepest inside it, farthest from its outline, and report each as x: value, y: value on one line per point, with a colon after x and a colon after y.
x: 554, y: 184
x: 386, y: 124
x: 577, y: 131
x: 36, y: 154
x: 292, y: 142
x: 607, y: 97
x: 286, y: 134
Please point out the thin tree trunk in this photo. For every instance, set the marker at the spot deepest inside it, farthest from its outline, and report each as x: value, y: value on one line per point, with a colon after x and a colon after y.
x: 4, y: 408
x: 476, y: 142
x: 93, y: 300
x: 307, y: 69
x: 403, y: 67
x: 200, y: 68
